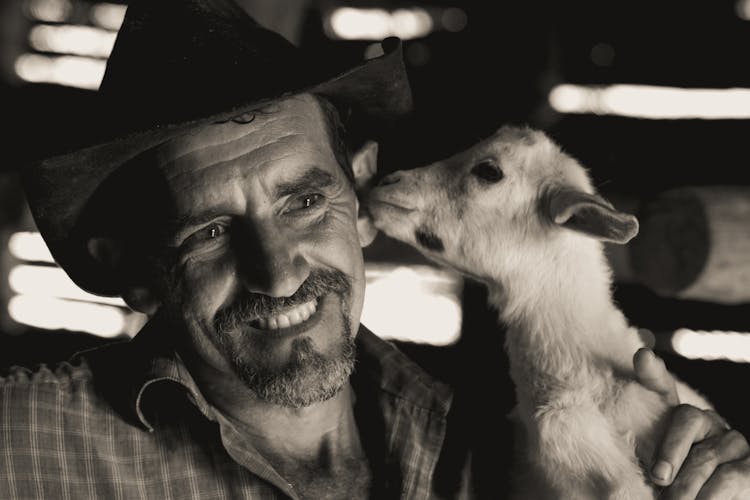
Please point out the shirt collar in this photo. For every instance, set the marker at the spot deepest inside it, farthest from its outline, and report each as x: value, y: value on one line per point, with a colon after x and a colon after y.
x: 382, y: 363
x: 126, y: 372
x: 136, y: 367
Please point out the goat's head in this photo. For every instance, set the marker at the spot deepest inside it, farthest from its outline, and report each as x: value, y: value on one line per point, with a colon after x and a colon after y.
x: 509, y: 197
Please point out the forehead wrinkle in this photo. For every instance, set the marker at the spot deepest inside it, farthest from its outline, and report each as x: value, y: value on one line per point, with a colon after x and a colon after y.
x: 199, y: 147
x: 215, y: 134
x: 219, y: 132
x: 212, y: 194
x: 261, y: 165
x: 204, y: 157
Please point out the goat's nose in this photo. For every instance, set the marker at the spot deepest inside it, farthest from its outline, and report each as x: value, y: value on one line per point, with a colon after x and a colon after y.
x: 390, y: 179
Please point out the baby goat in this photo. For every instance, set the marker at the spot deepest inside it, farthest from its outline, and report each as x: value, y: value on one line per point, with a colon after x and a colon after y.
x: 519, y: 215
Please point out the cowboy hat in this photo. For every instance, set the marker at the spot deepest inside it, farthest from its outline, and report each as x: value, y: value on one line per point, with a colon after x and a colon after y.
x: 178, y: 65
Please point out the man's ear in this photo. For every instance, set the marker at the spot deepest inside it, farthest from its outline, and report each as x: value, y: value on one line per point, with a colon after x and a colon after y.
x: 590, y: 214
x: 109, y: 254
x: 365, y: 165
x: 365, y: 228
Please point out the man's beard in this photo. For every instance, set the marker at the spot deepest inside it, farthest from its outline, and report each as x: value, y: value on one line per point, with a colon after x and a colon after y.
x: 308, y: 376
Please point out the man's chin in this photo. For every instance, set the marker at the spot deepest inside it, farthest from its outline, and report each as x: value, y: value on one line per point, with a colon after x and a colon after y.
x: 308, y: 377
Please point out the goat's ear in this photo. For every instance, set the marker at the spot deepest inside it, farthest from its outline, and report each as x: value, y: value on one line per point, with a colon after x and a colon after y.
x: 590, y: 214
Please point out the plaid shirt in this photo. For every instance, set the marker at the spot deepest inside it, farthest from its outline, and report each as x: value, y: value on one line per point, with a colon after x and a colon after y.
x: 128, y: 421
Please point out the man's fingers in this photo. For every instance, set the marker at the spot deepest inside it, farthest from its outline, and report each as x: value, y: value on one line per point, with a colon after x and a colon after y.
x: 689, y: 425
x: 653, y: 375
x: 731, y: 481
x: 704, y: 461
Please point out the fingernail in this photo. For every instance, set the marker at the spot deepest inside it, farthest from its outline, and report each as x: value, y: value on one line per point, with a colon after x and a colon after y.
x: 662, y: 471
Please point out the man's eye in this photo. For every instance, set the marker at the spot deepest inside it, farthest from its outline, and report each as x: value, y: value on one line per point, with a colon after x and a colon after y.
x: 305, y: 201
x: 214, y: 232
x: 208, y: 233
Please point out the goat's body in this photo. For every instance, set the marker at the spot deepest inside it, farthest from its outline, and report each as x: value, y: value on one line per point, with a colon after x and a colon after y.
x: 584, y: 445
x: 522, y: 217
x: 570, y: 351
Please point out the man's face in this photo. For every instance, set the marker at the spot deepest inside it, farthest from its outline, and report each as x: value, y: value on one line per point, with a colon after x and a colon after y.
x: 266, y: 275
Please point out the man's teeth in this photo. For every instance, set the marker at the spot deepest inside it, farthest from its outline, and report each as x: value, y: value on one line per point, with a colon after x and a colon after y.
x: 290, y: 317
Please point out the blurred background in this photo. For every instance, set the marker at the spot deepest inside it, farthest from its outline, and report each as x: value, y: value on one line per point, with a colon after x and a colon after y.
x: 653, y: 97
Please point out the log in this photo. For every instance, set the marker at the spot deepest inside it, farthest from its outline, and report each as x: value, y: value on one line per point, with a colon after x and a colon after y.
x: 694, y: 244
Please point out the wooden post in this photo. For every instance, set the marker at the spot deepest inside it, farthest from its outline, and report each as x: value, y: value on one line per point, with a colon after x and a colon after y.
x: 694, y: 243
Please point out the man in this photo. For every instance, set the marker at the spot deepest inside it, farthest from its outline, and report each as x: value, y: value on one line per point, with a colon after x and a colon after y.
x: 219, y: 200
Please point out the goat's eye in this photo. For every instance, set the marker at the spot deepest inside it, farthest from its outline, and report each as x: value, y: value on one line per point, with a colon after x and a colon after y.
x: 488, y: 172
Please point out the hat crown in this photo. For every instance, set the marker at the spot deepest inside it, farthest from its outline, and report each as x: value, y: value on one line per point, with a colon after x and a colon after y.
x: 171, y: 54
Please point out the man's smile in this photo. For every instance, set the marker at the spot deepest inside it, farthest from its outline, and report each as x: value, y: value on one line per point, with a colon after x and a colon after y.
x: 294, y: 320
x: 291, y: 317
x: 265, y: 317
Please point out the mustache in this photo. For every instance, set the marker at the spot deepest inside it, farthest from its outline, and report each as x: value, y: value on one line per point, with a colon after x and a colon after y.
x: 251, y: 306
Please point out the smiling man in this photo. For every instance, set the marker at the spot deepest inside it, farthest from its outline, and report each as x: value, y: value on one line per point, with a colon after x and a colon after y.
x: 260, y: 268
x: 265, y: 257
x: 215, y: 194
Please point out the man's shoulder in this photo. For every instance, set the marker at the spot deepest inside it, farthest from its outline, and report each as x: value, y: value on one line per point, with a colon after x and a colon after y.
x: 385, y: 365
x: 60, y: 374
x: 21, y: 385
x: 37, y: 398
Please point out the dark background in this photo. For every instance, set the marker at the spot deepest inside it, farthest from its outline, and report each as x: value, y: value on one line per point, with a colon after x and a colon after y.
x: 499, y: 69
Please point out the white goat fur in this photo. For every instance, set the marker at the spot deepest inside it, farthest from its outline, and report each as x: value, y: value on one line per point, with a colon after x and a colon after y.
x: 584, y: 421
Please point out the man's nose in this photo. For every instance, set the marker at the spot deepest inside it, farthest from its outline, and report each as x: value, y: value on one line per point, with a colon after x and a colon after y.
x: 271, y: 263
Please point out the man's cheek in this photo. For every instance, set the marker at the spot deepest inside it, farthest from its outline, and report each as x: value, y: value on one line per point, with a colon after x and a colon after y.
x: 203, y: 272
x: 341, y: 226
x: 204, y: 286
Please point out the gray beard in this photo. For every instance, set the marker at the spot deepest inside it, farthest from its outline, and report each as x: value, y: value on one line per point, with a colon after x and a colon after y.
x: 308, y: 377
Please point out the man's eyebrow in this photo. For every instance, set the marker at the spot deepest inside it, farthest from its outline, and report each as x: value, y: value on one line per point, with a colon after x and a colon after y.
x: 314, y: 178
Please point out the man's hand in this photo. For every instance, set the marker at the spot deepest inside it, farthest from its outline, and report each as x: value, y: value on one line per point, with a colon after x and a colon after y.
x: 700, y: 457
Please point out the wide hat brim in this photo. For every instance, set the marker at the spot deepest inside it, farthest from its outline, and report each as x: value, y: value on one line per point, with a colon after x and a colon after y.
x: 60, y: 188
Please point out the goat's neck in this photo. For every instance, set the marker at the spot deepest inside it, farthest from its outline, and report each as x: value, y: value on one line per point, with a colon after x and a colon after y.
x: 560, y: 314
